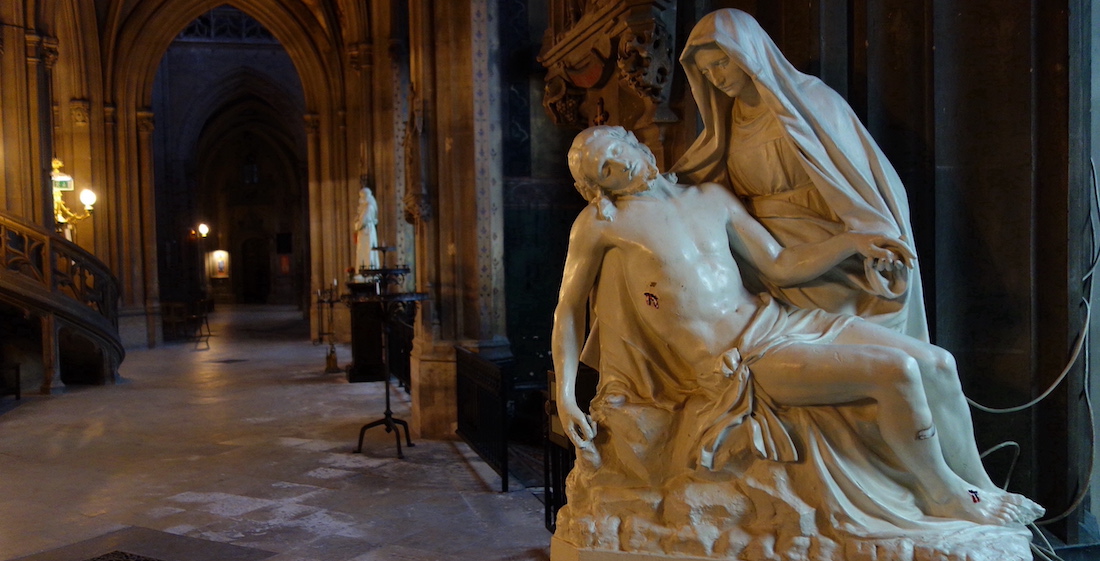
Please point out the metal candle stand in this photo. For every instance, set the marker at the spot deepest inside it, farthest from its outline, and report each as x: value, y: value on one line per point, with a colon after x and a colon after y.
x: 327, y: 297
x: 379, y: 291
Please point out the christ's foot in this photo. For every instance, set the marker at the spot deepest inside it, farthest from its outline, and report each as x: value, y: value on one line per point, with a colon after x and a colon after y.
x: 988, y: 507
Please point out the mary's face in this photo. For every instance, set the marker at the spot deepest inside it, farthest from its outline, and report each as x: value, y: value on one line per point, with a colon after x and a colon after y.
x: 724, y: 73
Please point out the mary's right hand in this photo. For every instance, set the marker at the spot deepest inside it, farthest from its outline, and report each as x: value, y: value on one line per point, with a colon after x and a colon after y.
x: 887, y: 253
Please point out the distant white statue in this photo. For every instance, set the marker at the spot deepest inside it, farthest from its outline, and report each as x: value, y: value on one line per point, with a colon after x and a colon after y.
x: 365, y: 231
x: 794, y: 151
x: 719, y: 427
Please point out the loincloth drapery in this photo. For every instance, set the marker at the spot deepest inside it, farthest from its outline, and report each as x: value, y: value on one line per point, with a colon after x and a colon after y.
x: 735, y: 402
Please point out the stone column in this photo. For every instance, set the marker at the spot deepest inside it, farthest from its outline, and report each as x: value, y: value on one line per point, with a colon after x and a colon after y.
x: 148, y: 226
x: 453, y: 50
x: 7, y: 196
x: 51, y: 367
x: 40, y: 205
x: 313, y: 162
x: 489, y: 179
x: 16, y: 123
x: 81, y: 166
x: 112, y: 194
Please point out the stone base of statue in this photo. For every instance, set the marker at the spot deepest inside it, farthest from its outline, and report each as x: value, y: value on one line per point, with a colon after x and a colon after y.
x: 839, y: 501
x: 1001, y: 544
x: 561, y: 550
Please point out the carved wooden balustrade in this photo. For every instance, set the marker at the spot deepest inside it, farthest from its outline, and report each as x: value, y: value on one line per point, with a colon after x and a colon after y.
x: 58, y: 265
x: 50, y: 277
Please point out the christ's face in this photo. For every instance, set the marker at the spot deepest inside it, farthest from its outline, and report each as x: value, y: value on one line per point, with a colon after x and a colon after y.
x: 622, y: 163
x: 721, y: 71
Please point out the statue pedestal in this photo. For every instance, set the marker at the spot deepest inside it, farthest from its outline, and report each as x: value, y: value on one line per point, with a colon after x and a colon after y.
x: 985, y: 543
x: 561, y: 550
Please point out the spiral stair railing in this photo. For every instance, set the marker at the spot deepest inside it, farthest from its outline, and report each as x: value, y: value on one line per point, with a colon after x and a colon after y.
x: 44, y: 274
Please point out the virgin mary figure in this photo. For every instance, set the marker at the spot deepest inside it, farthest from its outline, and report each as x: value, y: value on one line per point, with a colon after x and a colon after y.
x: 792, y: 149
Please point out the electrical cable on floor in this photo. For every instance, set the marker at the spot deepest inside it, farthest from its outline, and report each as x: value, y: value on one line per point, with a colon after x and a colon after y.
x: 1047, y: 553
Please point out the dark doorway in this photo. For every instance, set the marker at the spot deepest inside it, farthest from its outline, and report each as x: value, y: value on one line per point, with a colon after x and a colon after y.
x: 255, y: 271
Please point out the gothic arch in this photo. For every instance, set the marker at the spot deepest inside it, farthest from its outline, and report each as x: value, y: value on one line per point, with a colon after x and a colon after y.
x: 245, y: 82
x: 135, y: 43
x: 146, y: 33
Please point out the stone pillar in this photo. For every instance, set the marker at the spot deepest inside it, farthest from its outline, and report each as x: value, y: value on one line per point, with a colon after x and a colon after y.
x: 51, y: 365
x: 40, y: 207
x: 7, y: 196
x: 460, y: 245
x: 313, y: 158
x: 489, y: 183
x: 148, y: 227
x: 16, y: 123
x: 81, y: 170
x: 112, y: 194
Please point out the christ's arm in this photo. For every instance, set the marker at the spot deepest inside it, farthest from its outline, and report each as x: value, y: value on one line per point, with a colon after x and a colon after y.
x: 582, y: 265
x: 788, y: 266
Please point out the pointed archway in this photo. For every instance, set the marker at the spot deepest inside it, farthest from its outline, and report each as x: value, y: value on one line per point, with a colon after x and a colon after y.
x: 139, y: 40
x: 231, y: 154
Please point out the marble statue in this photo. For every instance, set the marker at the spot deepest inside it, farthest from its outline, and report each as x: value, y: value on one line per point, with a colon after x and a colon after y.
x: 792, y: 149
x: 365, y: 231
x: 715, y: 431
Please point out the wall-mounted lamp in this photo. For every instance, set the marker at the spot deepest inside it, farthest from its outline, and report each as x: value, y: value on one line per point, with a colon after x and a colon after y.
x: 64, y: 182
x: 204, y: 230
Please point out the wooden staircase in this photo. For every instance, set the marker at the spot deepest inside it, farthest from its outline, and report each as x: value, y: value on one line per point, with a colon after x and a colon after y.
x: 71, y: 296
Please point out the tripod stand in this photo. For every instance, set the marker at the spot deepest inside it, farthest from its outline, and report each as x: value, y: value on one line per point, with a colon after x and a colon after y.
x: 392, y: 304
x: 327, y: 296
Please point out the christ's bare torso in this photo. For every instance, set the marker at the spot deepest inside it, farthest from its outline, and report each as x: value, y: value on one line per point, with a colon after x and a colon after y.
x: 680, y: 269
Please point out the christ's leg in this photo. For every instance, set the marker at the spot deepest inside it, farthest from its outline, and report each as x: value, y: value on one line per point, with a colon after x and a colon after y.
x: 940, y: 379
x: 808, y: 374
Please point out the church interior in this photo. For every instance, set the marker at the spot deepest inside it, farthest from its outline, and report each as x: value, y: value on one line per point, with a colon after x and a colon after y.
x: 171, y: 167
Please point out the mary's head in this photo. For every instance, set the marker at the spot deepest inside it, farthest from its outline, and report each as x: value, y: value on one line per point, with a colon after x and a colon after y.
x: 728, y: 49
x: 722, y: 72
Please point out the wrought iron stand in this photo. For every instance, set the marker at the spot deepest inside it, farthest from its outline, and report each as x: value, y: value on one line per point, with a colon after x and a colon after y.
x: 392, y: 304
x: 327, y: 296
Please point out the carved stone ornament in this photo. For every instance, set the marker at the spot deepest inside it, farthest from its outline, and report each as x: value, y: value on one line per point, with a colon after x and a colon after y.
x: 145, y: 121
x: 313, y: 123
x: 645, y: 60
x: 359, y: 56
x: 589, y: 43
x: 49, y: 51
x: 79, y: 109
x: 32, y: 47
x: 417, y: 208
x: 563, y: 102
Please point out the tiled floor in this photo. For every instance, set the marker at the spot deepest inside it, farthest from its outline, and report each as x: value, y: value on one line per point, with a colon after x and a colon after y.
x: 244, y: 442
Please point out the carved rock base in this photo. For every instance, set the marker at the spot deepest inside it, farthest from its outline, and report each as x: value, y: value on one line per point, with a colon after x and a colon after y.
x: 981, y: 544
x: 840, y: 503
x: 561, y: 550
